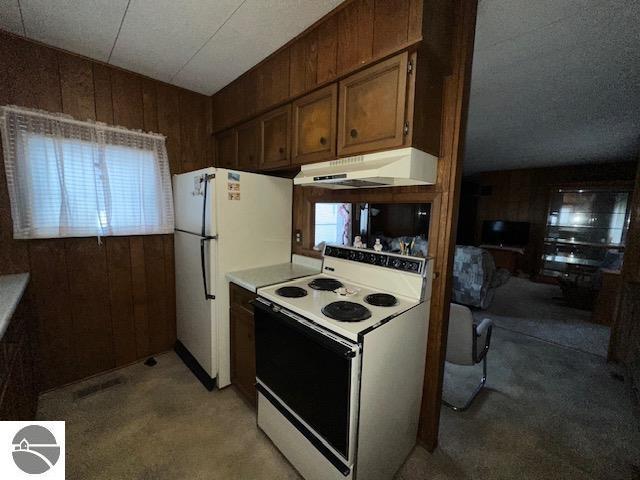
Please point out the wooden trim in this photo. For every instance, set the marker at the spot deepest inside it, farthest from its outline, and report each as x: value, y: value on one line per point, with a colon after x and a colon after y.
x: 441, y: 246
x: 631, y: 267
x: 621, y: 346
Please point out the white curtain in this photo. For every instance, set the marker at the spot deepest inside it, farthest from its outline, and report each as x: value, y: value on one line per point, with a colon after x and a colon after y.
x: 68, y: 178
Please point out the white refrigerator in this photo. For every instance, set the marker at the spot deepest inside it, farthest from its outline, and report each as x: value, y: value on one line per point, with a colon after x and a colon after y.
x: 225, y: 220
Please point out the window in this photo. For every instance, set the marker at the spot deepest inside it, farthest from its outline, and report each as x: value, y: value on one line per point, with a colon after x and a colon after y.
x: 333, y: 223
x: 72, y: 179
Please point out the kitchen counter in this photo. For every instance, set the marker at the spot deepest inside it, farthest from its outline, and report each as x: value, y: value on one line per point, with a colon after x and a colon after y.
x: 12, y: 288
x: 255, y: 278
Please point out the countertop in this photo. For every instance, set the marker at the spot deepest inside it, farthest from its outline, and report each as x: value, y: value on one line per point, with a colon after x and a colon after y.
x: 12, y: 288
x: 255, y: 278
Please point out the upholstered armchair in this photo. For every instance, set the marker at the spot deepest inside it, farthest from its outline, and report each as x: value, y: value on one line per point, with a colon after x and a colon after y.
x: 475, y: 277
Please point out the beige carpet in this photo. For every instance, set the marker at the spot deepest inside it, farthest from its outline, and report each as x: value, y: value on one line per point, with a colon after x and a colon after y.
x: 549, y: 412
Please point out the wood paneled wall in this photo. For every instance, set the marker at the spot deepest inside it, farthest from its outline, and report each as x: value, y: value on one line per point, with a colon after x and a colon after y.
x: 523, y: 195
x: 98, y: 306
x: 625, y: 333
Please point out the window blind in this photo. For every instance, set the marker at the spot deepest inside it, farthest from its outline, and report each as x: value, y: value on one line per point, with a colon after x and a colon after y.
x: 68, y: 178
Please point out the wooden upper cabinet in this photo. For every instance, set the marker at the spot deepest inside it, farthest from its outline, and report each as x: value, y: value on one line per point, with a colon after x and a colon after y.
x: 248, y: 146
x: 355, y: 35
x: 326, y: 68
x: 273, y: 80
x: 390, y: 26
x: 227, y: 149
x: 371, y: 114
x: 274, y: 138
x: 314, y: 126
x: 303, y: 64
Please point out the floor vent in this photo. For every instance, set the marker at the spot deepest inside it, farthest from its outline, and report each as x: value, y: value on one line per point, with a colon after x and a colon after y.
x: 92, y: 389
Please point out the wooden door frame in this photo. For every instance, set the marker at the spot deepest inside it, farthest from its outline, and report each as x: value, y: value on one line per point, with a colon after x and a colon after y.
x: 619, y: 349
x: 442, y: 245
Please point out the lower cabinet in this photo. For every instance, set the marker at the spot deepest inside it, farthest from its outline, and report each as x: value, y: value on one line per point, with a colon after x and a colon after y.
x: 18, y: 391
x: 243, y: 347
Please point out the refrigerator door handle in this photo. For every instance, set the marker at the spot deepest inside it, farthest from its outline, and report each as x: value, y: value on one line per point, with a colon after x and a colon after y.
x: 207, y: 295
x: 205, y: 178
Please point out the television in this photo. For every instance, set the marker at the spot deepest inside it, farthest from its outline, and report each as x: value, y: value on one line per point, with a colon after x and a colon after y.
x: 505, y: 233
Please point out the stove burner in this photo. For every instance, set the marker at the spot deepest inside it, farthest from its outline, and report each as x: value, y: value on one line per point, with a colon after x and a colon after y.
x: 291, y: 292
x: 381, y: 300
x: 346, y: 311
x: 328, y: 284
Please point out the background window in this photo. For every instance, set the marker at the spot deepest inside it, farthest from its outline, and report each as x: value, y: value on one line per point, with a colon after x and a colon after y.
x: 75, y: 179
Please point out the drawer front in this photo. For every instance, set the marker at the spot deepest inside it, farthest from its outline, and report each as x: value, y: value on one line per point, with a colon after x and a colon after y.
x: 241, y: 297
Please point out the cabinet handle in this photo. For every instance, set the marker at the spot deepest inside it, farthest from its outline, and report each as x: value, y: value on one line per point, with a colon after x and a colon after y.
x: 354, y: 133
x: 281, y: 150
x: 323, y: 141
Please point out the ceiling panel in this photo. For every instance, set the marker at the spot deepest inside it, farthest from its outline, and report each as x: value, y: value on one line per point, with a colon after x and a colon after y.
x: 567, y: 92
x: 10, y: 17
x: 257, y: 29
x: 159, y: 36
x: 500, y: 20
x: 85, y: 27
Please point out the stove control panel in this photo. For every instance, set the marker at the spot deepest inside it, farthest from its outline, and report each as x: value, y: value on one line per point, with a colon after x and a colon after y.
x: 380, y: 259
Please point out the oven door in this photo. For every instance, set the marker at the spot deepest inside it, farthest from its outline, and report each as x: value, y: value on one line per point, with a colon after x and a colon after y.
x: 313, y: 372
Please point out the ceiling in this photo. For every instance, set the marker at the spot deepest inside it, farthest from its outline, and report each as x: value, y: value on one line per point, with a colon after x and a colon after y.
x: 201, y: 45
x: 554, y: 83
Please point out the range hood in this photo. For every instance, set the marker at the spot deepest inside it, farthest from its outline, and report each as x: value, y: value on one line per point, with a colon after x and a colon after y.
x: 392, y: 168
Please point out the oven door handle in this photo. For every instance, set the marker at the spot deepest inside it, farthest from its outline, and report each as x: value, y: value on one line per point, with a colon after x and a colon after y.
x: 320, y: 338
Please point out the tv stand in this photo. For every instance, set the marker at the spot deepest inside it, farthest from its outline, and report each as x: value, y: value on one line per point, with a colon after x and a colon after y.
x: 505, y: 257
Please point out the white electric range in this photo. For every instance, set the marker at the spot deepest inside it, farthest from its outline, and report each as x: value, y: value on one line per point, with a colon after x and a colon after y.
x: 340, y: 363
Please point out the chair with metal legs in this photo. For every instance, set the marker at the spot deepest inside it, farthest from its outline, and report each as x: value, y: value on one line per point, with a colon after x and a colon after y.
x: 467, y: 344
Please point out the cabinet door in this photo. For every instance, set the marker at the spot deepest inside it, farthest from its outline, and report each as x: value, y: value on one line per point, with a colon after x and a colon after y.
x: 273, y: 80
x: 314, y: 126
x: 248, y: 140
x: 243, y: 352
x: 227, y: 149
x: 371, y: 113
x: 274, y: 138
